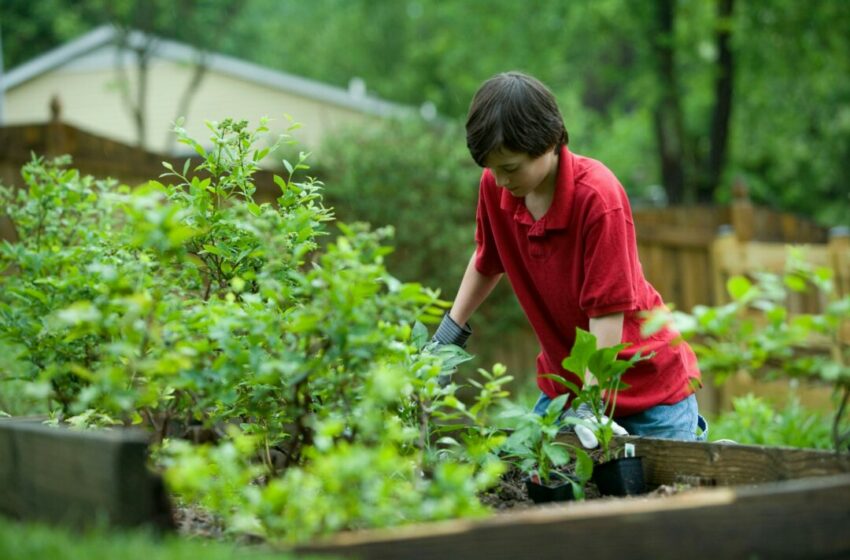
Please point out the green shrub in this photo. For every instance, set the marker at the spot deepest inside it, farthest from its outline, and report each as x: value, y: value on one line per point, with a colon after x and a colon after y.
x: 189, y: 303
x: 419, y: 178
x: 757, y: 333
x: 756, y: 421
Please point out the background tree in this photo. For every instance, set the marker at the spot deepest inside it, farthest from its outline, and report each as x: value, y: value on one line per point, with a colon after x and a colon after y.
x: 676, y: 97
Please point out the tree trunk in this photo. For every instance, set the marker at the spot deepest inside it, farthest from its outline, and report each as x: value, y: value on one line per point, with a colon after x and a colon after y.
x: 669, y: 128
x: 722, y: 113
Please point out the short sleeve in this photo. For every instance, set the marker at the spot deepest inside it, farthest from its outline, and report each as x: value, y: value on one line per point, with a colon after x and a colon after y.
x: 487, y: 259
x: 608, y: 282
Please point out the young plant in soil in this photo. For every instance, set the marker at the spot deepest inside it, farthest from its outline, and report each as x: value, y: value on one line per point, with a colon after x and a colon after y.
x: 533, y: 450
x: 600, y: 397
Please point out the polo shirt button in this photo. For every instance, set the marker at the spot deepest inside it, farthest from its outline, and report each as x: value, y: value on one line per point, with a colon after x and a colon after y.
x: 537, y: 230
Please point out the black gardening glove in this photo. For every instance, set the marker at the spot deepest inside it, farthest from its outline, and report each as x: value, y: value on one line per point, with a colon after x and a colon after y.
x: 450, y: 332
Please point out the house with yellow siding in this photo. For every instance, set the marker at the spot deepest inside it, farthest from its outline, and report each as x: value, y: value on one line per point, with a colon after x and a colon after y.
x: 86, y: 77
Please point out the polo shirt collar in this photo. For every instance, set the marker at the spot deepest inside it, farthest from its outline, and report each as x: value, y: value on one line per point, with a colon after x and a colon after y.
x: 557, y: 217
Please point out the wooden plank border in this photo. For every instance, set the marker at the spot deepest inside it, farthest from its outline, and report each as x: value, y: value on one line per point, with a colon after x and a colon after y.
x: 79, y: 478
x: 807, y: 518
x: 719, y: 464
x: 770, y: 502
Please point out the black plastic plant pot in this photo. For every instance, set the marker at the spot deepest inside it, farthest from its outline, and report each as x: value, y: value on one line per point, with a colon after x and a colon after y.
x: 620, y: 477
x: 541, y: 494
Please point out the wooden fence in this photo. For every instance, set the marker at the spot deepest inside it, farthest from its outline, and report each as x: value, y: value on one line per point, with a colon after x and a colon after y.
x: 676, y: 245
x: 91, y: 155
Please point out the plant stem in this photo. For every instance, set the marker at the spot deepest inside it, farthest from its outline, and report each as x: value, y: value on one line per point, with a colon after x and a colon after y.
x: 837, y: 437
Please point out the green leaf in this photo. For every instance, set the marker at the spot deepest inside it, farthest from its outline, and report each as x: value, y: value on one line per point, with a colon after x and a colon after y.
x: 584, y: 465
x: 419, y: 335
x: 212, y: 249
x: 583, y: 348
x: 560, y: 380
x: 795, y: 282
x: 556, y: 406
x: 557, y: 453
x: 738, y: 287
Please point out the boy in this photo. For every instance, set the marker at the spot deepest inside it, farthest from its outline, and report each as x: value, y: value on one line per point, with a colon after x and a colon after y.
x: 560, y: 226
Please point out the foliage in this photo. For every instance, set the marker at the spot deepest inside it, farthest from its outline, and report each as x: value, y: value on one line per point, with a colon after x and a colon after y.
x: 597, y: 55
x: 532, y: 446
x: 20, y: 541
x: 190, y: 304
x: 419, y: 178
x: 757, y: 332
x: 754, y: 420
x: 601, y: 396
x: 473, y: 436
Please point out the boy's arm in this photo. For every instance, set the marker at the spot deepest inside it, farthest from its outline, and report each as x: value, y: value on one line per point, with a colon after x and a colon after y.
x: 608, y: 330
x: 474, y: 289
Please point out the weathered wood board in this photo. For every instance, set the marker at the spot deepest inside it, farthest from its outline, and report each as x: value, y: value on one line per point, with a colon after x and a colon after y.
x: 808, y: 518
x: 78, y: 478
x: 767, y: 503
x: 719, y: 464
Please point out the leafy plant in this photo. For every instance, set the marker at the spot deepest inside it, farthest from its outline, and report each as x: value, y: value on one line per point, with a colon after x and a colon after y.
x: 533, y: 447
x: 473, y: 437
x: 757, y: 421
x: 189, y: 304
x: 758, y: 333
x: 601, y: 396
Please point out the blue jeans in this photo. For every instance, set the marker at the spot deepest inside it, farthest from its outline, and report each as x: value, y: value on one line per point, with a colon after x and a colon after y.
x: 680, y: 421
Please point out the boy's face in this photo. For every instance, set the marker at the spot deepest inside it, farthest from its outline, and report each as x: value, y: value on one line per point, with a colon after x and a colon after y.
x: 520, y: 173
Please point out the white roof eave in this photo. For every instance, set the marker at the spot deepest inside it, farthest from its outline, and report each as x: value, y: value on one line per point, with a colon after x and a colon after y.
x: 179, y: 52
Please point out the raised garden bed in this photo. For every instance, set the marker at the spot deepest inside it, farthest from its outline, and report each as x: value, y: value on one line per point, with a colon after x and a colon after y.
x: 754, y: 502
x: 79, y: 478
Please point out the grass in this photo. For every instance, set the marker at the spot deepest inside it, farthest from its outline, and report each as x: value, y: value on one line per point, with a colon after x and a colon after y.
x: 27, y: 541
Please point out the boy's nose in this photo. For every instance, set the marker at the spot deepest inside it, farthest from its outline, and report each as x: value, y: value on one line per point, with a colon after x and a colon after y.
x: 501, y: 181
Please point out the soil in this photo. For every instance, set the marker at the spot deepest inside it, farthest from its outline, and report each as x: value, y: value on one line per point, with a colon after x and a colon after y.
x: 508, y: 496
x: 194, y: 521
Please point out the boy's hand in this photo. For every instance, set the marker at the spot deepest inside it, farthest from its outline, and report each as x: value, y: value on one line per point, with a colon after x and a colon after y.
x: 450, y: 332
x: 585, y: 432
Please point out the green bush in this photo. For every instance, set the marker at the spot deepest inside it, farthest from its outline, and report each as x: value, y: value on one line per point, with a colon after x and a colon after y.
x: 189, y: 303
x: 757, y: 333
x: 756, y: 421
x: 420, y: 179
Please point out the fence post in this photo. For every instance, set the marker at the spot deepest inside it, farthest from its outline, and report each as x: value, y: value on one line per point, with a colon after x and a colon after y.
x: 743, y: 216
x: 55, y: 142
x: 839, y: 261
x: 839, y: 258
x: 724, y: 249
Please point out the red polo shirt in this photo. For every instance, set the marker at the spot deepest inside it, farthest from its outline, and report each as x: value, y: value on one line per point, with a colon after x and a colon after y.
x: 576, y: 262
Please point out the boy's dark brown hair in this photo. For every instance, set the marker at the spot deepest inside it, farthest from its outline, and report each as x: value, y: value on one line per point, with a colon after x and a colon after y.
x: 517, y: 112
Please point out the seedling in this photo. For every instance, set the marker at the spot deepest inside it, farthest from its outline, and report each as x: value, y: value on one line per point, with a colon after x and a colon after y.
x: 603, y: 364
x: 533, y: 449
